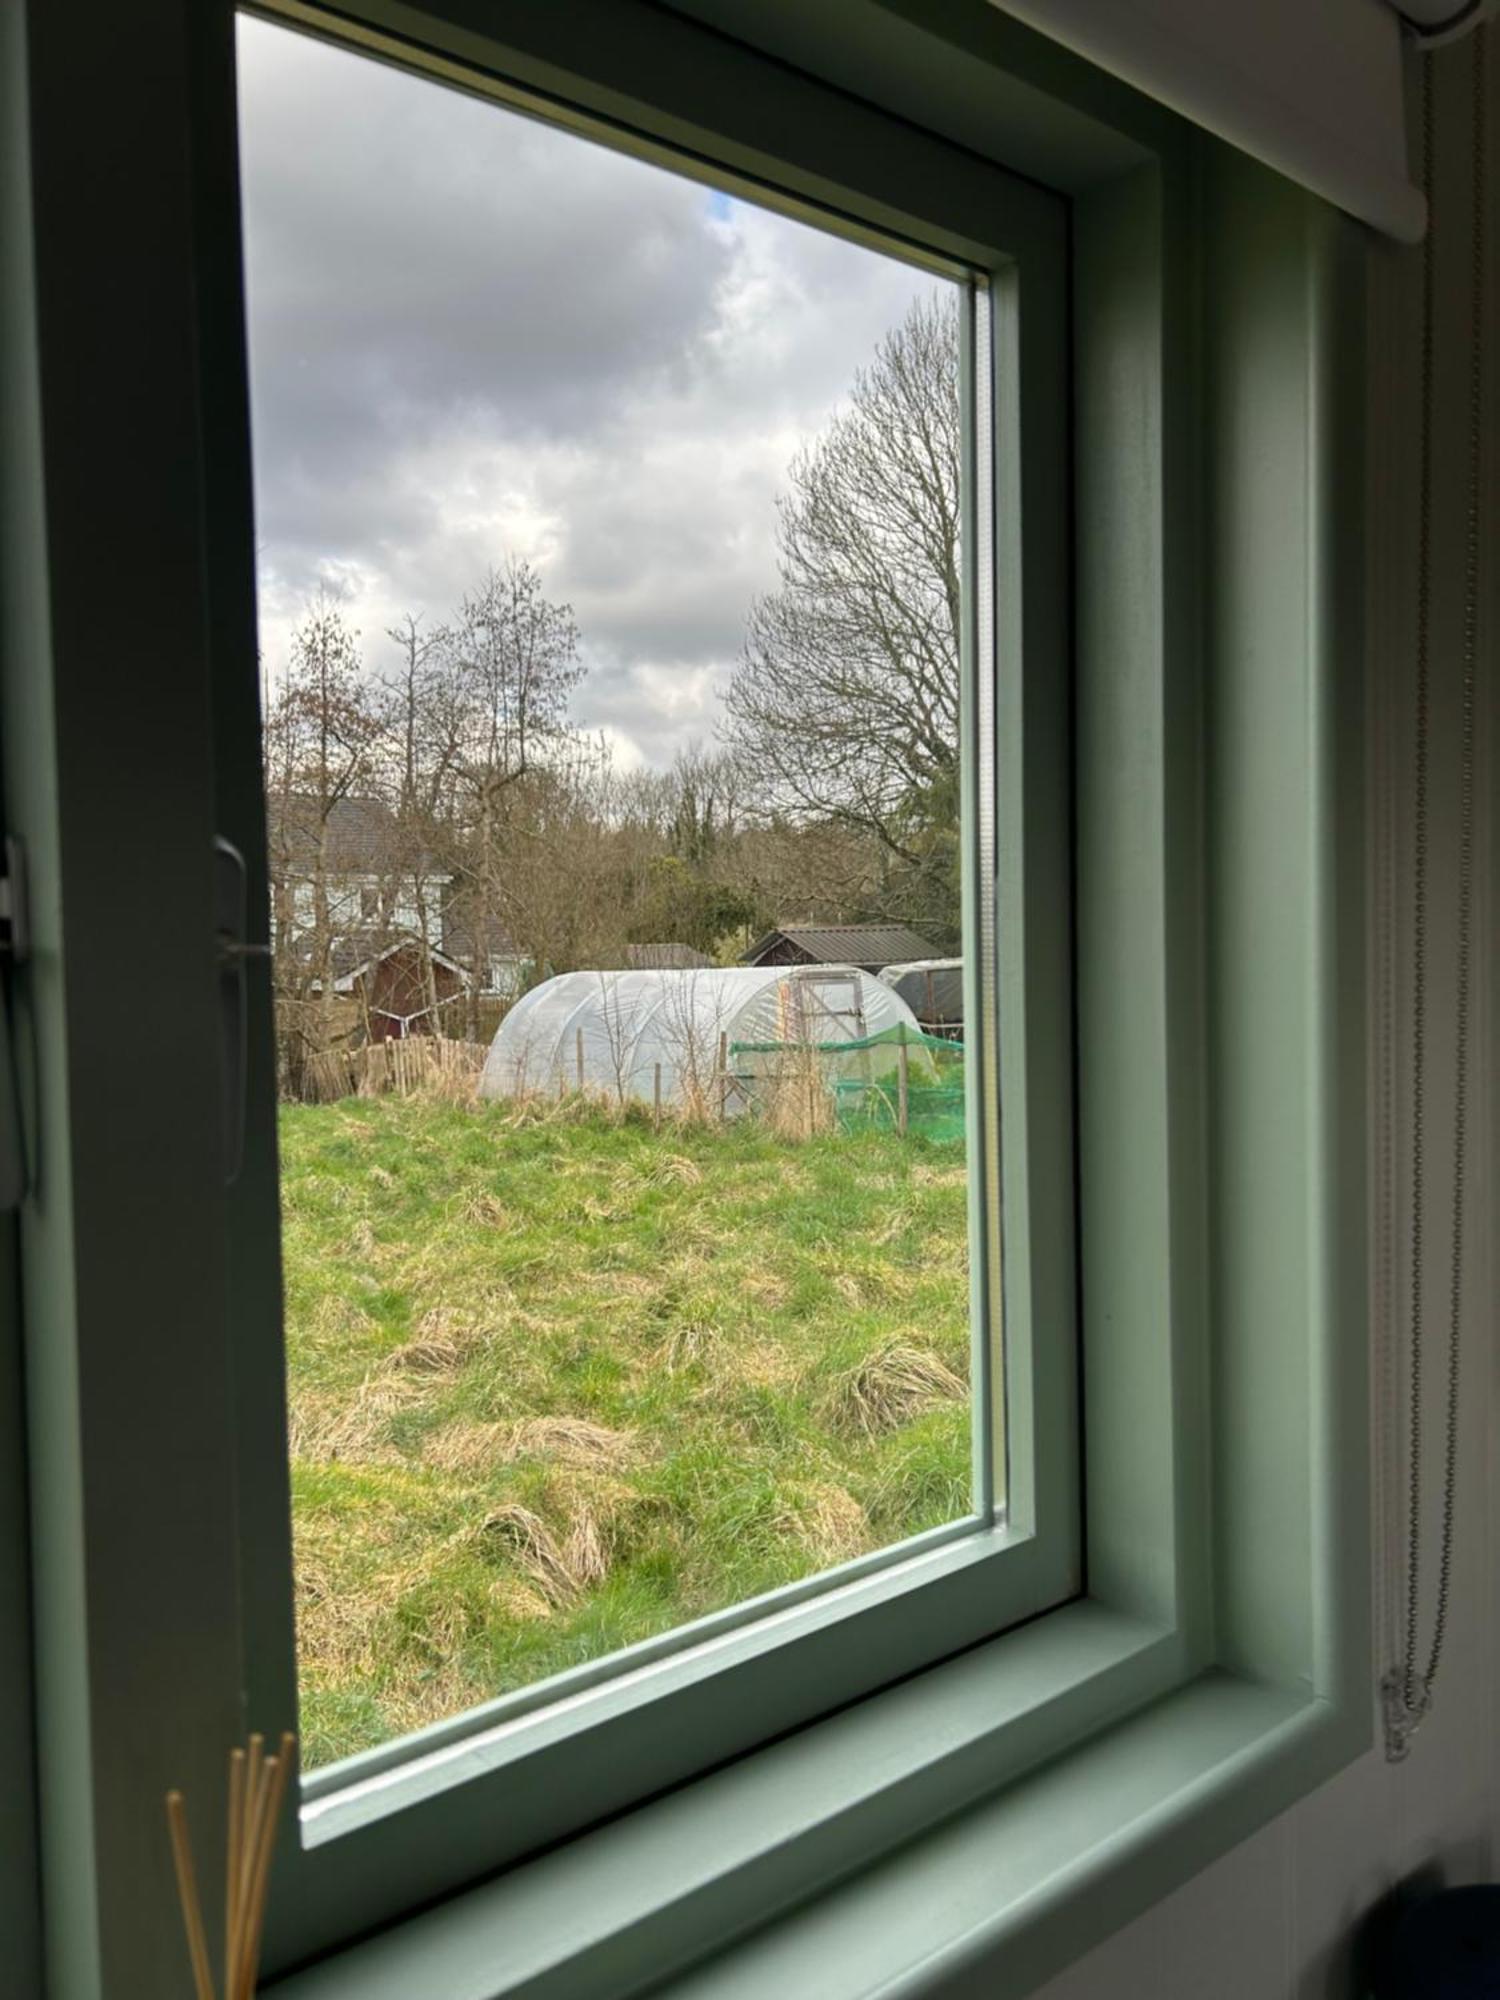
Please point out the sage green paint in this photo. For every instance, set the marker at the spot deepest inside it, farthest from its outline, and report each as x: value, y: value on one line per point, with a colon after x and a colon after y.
x: 107, y: 778
x: 484, y: 1791
x: 1237, y: 598
x: 786, y: 1822
x: 1247, y: 480
x: 1140, y: 1039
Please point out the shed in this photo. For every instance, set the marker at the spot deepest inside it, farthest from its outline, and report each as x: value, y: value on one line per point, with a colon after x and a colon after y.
x: 403, y: 989
x: 665, y: 958
x: 609, y: 1031
x: 868, y: 946
x: 933, y: 988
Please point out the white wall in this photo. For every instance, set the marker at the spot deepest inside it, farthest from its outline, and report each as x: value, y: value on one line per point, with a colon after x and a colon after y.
x: 1272, y: 1920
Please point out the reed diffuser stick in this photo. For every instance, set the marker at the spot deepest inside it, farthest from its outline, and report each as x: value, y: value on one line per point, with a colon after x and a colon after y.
x: 187, y: 1893
x: 232, y: 1855
x: 256, y: 1789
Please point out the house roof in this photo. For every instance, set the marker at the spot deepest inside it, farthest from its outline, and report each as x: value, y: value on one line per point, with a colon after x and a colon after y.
x: 665, y: 958
x: 363, y: 837
x: 466, y: 940
x: 846, y: 944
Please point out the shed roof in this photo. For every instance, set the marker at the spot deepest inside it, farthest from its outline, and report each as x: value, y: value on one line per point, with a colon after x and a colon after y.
x: 345, y: 984
x: 665, y: 957
x: 846, y: 944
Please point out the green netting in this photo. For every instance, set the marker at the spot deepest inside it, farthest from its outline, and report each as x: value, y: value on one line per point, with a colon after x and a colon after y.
x: 939, y: 1048
x: 933, y: 1111
x: 865, y: 1077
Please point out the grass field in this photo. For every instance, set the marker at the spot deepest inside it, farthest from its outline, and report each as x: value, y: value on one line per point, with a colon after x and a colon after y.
x: 559, y: 1383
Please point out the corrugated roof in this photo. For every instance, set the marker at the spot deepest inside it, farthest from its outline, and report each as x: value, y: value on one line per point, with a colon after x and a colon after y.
x: 665, y: 957
x: 846, y: 944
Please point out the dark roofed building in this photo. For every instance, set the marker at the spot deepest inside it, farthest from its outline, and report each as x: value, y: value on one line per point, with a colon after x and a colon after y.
x: 665, y: 958
x: 868, y: 946
x: 362, y: 837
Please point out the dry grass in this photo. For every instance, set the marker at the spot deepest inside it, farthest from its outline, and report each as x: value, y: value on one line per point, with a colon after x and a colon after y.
x: 478, y: 1448
x: 594, y: 1380
x: 441, y: 1344
x: 361, y: 1239
x: 530, y: 1544
x: 572, y: 1441
x: 586, y: 1553
x: 830, y: 1523
x: 339, y: 1318
x: 325, y: 1428
x: 890, y: 1387
x: 795, y: 1102
x: 484, y: 1208
x: 691, y: 1343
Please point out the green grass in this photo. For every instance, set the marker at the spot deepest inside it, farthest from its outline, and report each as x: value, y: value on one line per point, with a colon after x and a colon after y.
x: 560, y: 1383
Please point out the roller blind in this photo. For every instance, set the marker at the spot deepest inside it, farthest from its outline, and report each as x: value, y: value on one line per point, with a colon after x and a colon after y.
x: 1312, y: 87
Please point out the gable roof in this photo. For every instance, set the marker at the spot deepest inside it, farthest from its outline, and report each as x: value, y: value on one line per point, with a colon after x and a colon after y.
x: 345, y: 982
x: 845, y: 944
x: 363, y: 837
x: 466, y: 939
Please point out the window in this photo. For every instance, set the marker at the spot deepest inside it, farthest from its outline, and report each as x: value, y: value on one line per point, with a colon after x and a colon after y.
x: 1182, y: 610
x: 612, y: 567
x: 675, y: 1363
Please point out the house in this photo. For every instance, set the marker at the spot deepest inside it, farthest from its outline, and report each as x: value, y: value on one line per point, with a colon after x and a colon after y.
x: 492, y: 962
x: 352, y: 892
x: 870, y: 947
x: 350, y: 867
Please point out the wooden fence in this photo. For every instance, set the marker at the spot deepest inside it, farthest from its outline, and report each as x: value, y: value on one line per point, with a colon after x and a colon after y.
x: 417, y: 1063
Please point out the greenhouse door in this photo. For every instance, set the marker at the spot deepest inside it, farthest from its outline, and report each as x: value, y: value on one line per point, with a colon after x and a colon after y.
x: 830, y: 1009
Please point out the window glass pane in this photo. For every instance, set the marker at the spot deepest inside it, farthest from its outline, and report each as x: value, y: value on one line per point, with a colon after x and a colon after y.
x: 611, y: 614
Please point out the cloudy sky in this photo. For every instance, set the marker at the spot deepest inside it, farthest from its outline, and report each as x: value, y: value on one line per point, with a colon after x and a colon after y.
x: 473, y: 335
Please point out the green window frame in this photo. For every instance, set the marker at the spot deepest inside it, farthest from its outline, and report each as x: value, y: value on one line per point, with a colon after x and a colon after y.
x: 1000, y: 1810
x: 416, y: 1817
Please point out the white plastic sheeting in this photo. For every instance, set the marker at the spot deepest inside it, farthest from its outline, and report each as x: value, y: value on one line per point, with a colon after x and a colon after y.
x: 609, y: 1031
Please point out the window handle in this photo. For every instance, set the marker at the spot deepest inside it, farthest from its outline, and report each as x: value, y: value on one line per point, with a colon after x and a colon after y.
x: 15, y: 949
x: 233, y: 951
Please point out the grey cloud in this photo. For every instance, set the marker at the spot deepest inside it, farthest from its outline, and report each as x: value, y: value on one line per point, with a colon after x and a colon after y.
x: 472, y: 334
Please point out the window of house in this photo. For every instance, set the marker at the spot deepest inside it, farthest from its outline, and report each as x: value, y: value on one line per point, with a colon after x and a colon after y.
x: 625, y: 590
x: 640, y: 566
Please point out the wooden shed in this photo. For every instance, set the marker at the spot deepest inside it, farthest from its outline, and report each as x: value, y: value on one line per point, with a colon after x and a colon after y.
x: 870, y: 947
x: 395, y: 993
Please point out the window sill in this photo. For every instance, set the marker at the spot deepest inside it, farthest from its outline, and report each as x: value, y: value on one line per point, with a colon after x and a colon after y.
x: 971, y: 1825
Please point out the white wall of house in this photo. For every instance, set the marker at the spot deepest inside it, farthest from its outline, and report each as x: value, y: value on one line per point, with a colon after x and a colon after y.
x: 363, y: 903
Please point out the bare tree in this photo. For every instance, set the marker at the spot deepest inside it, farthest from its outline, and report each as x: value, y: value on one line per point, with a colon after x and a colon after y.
x: 322, y: 729
x: 508, y: 666
x: 846, y: 698
x: 419, y: 754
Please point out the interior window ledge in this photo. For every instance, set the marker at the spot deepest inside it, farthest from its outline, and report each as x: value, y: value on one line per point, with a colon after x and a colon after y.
x: 1028, y: 1845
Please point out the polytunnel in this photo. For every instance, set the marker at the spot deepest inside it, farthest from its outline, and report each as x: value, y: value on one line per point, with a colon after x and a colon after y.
x: 632, y: 1034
